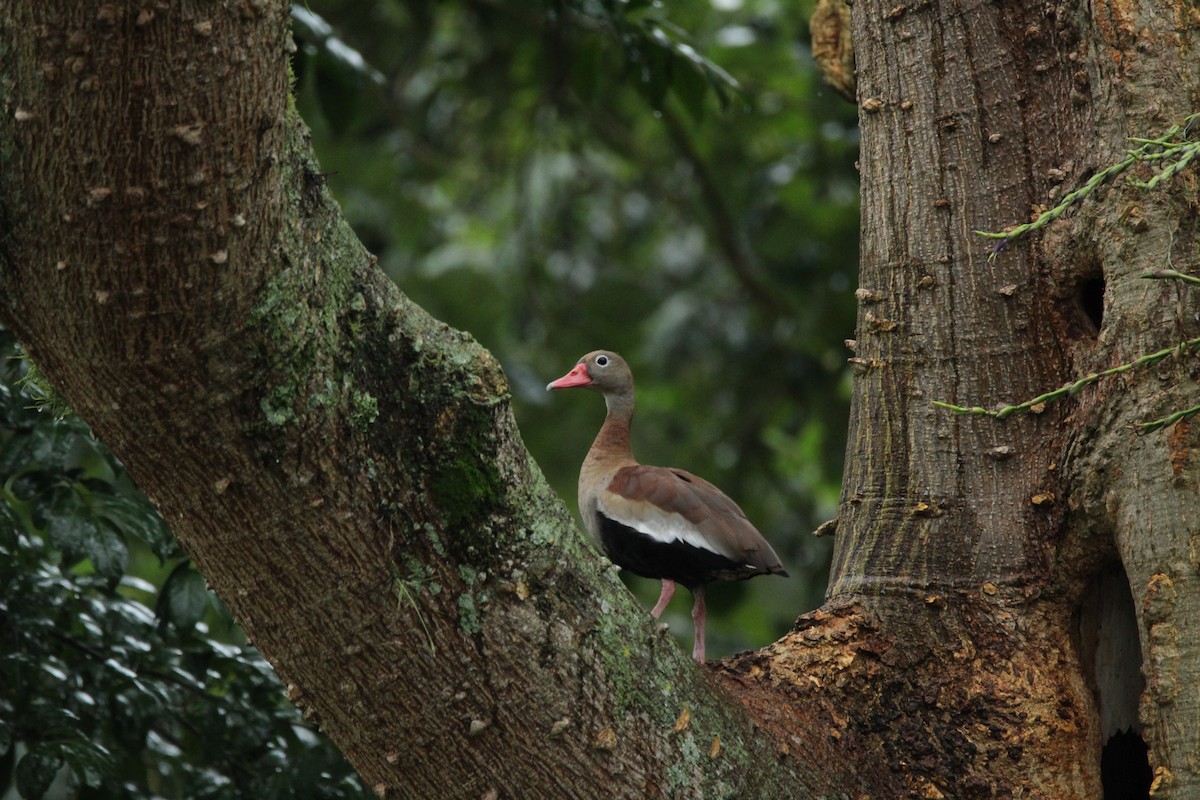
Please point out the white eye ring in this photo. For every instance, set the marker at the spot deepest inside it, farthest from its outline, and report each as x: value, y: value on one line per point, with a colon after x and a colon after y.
x: 601, y: 361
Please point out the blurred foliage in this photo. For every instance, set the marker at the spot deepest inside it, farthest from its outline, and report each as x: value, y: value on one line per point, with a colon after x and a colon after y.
x: 556, y: 178
x: 120, y: 675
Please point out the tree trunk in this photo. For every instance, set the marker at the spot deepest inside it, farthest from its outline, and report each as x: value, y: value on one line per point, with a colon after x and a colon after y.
x: 982, y: 562
x: 347, y: 473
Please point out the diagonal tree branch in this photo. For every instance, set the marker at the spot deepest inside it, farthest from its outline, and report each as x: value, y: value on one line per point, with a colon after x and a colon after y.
x: 319, y: 444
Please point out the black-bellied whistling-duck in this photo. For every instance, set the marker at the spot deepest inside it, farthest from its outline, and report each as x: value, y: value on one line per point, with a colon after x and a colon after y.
x: 654, y: 521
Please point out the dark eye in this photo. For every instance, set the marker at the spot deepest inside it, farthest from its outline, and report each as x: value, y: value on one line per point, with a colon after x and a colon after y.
x: 601, y: 361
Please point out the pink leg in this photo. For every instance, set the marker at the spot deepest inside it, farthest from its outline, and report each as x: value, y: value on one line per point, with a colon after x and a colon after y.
x: 699, y: 610
x: 668, y: 591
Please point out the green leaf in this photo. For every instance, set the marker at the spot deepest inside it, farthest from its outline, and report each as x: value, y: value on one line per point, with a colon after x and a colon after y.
x: 37, y: 769
x: 108, y: 553
x: 10, y: 524
x: 89, y: 458
x: 44, y: 447
x: 88, y: 760
x: 655, y: 61
x: 184, y: 598
x: 5, y: 736
x: 73, y: 529
x: 133, y: 515
x: 690, y: 86
x: 70, y: 527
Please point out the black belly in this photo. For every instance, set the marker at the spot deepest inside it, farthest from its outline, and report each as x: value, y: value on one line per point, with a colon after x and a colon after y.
x: 677, y: 561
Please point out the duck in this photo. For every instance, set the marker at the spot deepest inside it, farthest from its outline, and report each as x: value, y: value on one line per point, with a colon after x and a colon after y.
x: 658, y: 522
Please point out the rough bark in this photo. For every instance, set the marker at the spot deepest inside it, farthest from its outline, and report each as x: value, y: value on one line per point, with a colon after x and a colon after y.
x: 1140, y: 494
x: 980, y: 564
x: 347, y: 473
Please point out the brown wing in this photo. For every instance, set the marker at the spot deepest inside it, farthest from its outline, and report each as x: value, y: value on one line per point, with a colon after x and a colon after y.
x: 671, y: 504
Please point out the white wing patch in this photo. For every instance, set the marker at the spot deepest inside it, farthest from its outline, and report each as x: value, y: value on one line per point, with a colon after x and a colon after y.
x: 662, y: 527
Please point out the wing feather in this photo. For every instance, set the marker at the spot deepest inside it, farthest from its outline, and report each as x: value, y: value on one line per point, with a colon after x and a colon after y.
x: 672, y: 504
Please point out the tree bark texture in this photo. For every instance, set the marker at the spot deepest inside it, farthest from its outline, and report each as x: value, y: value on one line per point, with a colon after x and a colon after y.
x: 1140, y: 494
x: 347, y: 473
x: 980, y: 566
x: 345, y: 470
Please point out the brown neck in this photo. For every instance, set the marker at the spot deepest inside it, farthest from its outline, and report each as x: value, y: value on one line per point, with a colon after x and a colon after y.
x: 612, y: 442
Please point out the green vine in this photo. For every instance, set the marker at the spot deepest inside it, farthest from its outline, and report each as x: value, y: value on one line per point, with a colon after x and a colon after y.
x: 1170, y: 274
x: 1169, y: 420
x: 1072, y: 389
x: 1168, y: 155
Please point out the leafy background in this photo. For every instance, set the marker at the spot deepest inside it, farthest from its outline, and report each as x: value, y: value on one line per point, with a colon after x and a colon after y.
x: 121, y: 675
x: 672, y: 183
